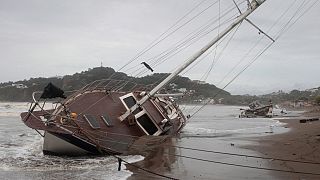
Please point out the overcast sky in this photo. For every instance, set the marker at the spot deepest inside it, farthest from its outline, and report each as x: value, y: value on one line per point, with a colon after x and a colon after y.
x: 42, y: 38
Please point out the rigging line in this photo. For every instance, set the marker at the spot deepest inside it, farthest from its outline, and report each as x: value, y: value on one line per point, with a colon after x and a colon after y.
x: 301, y: 15
x: 196, y: 63
x: 183, y: 48
x: 136, y: 166
x: 282, y: 15
x: 195, y: 41
x: 254, y: 59
x: 277, y: 37
x: 240, y: 165
x: 128, y: 163
x: 215, y: 52
x: 144, y: 169
x: 208, y: 151
x: 193, y: 149
x: 200, y: 33
x: 200, y: 30
x: 224, y: 48
x: 159, y: 39
x: 217, y: 162
x: 172, y: 26
x: 241, y: 60
x: 249, y: 65
x: 245, y: 166
x: 293, y: 16
x: 249, y: 156
x: 94, y: 140
x: 181, y: 45
x: 195, y: 106
x: 196, y: 32
x: 220, y: 54
x: 224, y: 163
x: 300, y: 7
x: 247, y: 54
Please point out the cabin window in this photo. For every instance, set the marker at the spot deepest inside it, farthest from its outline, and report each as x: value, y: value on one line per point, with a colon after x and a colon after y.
x: 147, y: 124
x: 129, y: 101
x: 107, y: 120
x: 93, y: 122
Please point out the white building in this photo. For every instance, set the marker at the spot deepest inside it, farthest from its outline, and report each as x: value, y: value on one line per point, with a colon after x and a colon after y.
x: 19, y: 86
x: 183, y: 90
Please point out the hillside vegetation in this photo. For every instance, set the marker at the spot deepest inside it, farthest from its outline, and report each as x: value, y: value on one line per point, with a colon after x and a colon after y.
x: 9, y: 91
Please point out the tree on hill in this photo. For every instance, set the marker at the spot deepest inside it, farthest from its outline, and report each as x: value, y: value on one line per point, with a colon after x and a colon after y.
x: 79, y: 80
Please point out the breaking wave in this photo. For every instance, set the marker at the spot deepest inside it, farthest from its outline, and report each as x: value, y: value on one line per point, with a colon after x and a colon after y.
x: 21, y: 154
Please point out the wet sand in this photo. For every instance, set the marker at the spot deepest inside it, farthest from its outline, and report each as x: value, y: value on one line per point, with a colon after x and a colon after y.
x: 301, y: 142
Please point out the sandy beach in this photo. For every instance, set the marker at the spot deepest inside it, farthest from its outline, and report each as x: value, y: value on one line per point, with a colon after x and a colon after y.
x: 300, y: 143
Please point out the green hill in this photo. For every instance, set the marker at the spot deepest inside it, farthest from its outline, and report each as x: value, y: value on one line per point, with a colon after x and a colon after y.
x: 22, y: 90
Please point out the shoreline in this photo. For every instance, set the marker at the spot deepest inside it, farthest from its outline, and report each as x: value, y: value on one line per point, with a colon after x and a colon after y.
x: 301, y: 143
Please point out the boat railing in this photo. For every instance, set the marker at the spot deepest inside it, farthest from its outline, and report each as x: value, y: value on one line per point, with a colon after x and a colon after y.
x: 43, y: 104
x: 113, y: 85
x: 116, y: 85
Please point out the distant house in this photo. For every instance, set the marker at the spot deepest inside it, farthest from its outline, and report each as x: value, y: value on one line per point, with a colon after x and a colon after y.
x: 199, y: 82
x: 173, y: 85
x: 19, y: 86
x: 208, y: 101
x: 299, y: 103
x: 183, y: 90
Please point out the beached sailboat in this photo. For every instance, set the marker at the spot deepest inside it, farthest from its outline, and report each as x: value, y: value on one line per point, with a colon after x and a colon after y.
x: 101, y: 118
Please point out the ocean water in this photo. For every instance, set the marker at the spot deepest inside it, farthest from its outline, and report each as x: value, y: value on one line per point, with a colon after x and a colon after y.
x: 21, y: 154
x: 219, y: 128
x: 219, y: 120
x: 214, y: 128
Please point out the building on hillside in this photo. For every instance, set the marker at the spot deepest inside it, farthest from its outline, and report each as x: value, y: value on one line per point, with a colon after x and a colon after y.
x: 199, y: 82
x: 183, y: 90
x: 19, y: 86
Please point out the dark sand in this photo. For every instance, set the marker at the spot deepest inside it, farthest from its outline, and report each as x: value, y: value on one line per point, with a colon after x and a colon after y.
x: 301, y: 143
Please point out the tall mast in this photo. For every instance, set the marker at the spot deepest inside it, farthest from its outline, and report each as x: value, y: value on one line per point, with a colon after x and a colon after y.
x: 252, y: 7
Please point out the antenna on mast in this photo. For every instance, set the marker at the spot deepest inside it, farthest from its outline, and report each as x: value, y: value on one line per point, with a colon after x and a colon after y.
x: 250, y: 22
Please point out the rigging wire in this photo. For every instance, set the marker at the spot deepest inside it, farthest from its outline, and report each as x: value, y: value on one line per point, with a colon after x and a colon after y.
x: 261, y: 52
x: 203, y: 150
x: 245, y: 166
x: 257, y: 42
x: 188, y: 46
x: 161, y: 38
x: 223, y: 49
x: 215, y: 52
x: 144, y: 169
x: 301, y: 15
x: 200, y: 32
x: 294, y: 15
x: 224, y: 163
